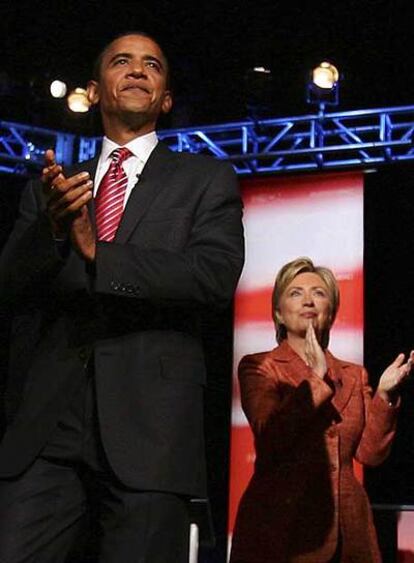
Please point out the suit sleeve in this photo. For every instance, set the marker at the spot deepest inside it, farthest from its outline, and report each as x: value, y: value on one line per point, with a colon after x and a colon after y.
x: 205, y: 271
x: 279, y: 415
x: 379, y: 429
x: 30, y: 258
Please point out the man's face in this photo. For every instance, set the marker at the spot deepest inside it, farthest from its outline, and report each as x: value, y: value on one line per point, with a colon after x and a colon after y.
x: 133, y: 81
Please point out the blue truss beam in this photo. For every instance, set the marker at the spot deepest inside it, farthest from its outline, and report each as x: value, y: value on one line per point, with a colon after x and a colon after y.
x: 353, y: 139
x: 22, y: 147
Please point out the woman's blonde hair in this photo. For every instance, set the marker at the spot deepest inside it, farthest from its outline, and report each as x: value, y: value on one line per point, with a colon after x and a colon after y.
x: 283, y: 279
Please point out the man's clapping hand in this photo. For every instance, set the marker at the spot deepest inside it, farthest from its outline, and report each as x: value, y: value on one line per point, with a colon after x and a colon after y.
x: 66, y: 200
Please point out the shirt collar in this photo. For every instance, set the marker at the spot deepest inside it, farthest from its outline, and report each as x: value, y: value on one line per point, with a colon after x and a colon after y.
x: 141, y: 147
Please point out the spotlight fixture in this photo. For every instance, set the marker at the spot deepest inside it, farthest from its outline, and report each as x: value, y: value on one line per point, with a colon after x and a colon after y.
x: 58, y: 89
x: 325, y: 75
x: 262, y: 69
x: 323, y: 85
x: 78, y: 101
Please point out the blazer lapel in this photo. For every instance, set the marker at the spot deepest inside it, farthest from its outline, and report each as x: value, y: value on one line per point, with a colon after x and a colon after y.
x: 296, y: 371
x: 155, y: 176
x: 295, y: 368
x: 344, y: 381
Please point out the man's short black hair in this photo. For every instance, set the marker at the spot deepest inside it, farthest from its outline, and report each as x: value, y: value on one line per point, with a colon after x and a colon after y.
x: 96, y: 69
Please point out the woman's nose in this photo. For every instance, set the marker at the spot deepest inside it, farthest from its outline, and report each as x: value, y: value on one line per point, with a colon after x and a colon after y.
x: 308, y: 299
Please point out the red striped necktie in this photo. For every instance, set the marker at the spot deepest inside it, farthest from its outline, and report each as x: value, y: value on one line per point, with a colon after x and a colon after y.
x: 109, y: 200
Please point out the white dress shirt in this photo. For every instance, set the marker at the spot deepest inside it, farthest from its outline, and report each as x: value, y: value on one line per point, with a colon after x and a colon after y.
x: 141, y: 148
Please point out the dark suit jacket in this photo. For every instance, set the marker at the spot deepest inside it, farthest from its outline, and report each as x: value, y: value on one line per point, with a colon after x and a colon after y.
x: 135, y: 314
x: 303, y: 493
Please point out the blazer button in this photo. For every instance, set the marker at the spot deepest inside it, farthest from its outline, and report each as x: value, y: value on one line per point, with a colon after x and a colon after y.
x: 333, y: 468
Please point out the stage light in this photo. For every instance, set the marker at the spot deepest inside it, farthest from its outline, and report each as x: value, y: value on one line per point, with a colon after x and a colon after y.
x: 323, y: 86
x: 58, y: 89
x: 262, y: 69
x: 325, y: 75
x: 78, y: 101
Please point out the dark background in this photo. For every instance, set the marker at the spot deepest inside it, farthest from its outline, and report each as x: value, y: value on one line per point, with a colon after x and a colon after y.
x: 389, y: 313
x: 211, y: 45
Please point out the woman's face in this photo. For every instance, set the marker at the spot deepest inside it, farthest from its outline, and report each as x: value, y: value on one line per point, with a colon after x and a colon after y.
x: 304, y: 301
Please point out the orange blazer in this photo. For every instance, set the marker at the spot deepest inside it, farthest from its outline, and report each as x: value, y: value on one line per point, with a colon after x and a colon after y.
x: 303, y: 499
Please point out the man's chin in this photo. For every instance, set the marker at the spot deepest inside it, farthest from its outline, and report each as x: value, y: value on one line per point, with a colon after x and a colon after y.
x: 135, y: 116
x: 134, y: 107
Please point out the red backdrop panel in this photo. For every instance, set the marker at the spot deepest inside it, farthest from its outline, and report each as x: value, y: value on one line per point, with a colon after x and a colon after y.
x: 320, y: 216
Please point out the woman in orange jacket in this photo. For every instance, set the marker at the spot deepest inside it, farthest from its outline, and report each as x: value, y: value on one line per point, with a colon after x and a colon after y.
x: 311, y: 415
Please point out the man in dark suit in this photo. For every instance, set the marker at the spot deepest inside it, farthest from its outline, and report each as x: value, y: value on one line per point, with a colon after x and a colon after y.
x: 106, y: 369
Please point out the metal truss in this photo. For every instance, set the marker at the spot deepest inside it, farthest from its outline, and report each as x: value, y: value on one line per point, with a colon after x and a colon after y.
x: 22, y: 147
x: 352, y: 139
x: 311, y: 142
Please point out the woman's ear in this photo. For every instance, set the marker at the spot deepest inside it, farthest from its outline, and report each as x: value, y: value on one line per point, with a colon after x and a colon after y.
x: 278, y: 317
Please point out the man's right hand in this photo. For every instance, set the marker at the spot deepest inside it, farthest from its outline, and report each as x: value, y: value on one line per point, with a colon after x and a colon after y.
x: 65, y: 196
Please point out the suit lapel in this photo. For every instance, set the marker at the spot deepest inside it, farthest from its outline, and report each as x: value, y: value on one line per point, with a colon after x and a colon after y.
x: 155, y: 176
x: 87, y: 166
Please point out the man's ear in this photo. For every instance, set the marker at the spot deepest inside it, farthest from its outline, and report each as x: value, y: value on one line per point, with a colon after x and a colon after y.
x: 167, y: 102
x: 92, y: 90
